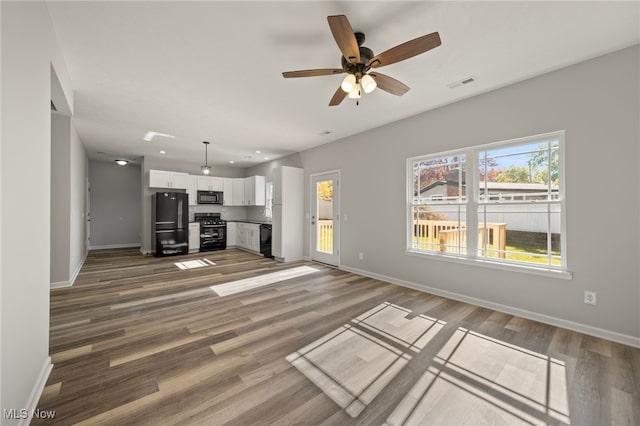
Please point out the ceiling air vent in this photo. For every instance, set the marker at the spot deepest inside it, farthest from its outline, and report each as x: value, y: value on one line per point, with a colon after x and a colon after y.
x: 462, y: 82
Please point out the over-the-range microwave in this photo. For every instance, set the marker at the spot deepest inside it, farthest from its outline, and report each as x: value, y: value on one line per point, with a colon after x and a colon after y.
x: 209, y: 197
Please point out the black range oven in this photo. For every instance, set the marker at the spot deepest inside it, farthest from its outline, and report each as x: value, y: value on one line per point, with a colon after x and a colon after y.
x: 213, y: 231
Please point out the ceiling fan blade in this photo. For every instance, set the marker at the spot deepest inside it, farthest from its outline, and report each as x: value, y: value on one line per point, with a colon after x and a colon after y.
x: 389, y: 84
x: 312, y: 73
x: 338, y: 97
x: 345, y: 38
x: 406, y: 50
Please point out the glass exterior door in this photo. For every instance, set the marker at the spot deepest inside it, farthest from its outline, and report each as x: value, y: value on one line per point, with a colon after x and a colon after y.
x: 325, y: 218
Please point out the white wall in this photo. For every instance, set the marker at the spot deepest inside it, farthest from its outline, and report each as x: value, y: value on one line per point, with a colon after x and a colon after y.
x: 596, y: 102
x: 115, y: 204
x: 28, y: 46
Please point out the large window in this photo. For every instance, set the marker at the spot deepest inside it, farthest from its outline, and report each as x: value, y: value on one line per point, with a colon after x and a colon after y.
x: 510, y: 192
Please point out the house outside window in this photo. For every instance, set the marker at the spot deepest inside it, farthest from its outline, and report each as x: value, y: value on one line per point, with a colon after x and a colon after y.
x: 511, y: 192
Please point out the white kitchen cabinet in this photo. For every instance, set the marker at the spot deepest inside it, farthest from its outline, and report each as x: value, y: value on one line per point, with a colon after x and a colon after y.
x: 248, y: 191
x: 227, y: 192
x: 288, y: 213
x: 253, y: 237
x: 194, y: 237
x: 247, y: 236
x: 232, y: 234
x: 167, y: 179
x: 210, y: 183
x: 237, y: 193
x: 192, y: 189
x: 242, y: 235
x: 254, y: 191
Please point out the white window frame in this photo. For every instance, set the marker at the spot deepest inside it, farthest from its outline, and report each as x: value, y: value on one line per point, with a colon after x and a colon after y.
x: 268, y: 204
x: 473, y: 203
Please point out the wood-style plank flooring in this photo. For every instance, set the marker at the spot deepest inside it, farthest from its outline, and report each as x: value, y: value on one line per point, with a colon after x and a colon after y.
x: 137, y: 340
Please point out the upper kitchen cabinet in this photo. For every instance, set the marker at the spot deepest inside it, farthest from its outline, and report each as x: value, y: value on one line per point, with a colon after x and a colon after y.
x: 244, y: 191
x: 227, y: 192
x: 254, y: 191
x: 210, y: 183
x: 167, y: 179
x: 237, y: 193
x: 192, y: 189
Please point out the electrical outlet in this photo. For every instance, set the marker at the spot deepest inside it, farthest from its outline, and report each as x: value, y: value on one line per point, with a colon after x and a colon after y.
x: 590, y: 297
x: 361, y: 256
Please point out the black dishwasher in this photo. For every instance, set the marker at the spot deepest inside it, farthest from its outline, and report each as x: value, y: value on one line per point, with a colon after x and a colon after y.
x: 265, y: 239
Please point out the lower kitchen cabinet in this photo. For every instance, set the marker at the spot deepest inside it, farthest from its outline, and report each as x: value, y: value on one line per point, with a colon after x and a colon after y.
x: 232, y: 234
x: 194, y: 237
x: 247, y: 236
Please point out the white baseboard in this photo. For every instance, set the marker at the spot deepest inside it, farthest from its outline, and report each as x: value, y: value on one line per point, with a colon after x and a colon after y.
x: 114, y: 246
x: 36, y: 392
x: 63, y: 284
x: 558, y: 322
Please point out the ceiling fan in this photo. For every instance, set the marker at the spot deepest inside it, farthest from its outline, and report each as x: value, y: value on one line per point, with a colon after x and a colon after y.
x: 358, y: 60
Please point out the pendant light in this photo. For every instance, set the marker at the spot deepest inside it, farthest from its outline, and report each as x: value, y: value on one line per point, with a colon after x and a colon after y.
x: 206, y: 169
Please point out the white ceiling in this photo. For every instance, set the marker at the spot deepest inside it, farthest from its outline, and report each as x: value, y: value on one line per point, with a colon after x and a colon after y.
x: 212, y: 70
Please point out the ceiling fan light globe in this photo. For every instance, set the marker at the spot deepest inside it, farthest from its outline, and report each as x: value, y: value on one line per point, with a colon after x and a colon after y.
x: 348, y: 83
x: 368, y: 83
x: 355, y: 93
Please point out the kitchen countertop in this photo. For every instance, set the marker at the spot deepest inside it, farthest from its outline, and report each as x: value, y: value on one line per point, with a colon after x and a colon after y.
x: 259, y: 222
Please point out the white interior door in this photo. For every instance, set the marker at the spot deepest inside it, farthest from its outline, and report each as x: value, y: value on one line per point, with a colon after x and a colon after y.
x: 325, y: 218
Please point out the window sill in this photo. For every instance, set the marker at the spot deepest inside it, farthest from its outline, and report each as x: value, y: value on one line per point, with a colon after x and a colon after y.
x: 546, y: 272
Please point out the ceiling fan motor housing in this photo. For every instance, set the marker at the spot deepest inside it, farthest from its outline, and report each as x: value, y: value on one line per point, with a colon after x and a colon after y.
x: 359, y: 68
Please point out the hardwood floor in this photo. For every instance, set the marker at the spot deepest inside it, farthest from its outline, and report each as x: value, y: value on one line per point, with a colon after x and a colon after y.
x: 247, y: 340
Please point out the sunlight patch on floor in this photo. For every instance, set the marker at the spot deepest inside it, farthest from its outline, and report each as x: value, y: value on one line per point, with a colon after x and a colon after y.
x: 193, y: 264
x: 476, y: 379
x: 355, y: 362
x: 247, y: 284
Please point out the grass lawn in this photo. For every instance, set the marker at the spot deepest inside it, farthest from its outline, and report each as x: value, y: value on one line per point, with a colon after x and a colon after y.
x: 521, y: 252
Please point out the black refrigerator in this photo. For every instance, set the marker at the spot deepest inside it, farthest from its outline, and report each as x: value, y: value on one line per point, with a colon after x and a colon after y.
x: 170, y: 223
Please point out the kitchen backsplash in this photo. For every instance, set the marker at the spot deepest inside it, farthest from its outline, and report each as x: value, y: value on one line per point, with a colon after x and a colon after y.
x: 257, y: 213
x: 228, y: 213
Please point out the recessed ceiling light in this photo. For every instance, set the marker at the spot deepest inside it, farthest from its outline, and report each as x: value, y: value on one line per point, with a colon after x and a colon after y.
x: 122, y: 162
x: 163, y: 152
x: 266, y: 158
x: 257, y: 152
x: 150, y: 135
x: 231, y: 161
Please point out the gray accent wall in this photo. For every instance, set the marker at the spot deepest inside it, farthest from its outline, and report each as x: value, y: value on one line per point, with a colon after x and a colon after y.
x: 29, y: 53
x: 114, y: 204
x: 597, y: 103
x: 69, y: 174
x: 60, y: 198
